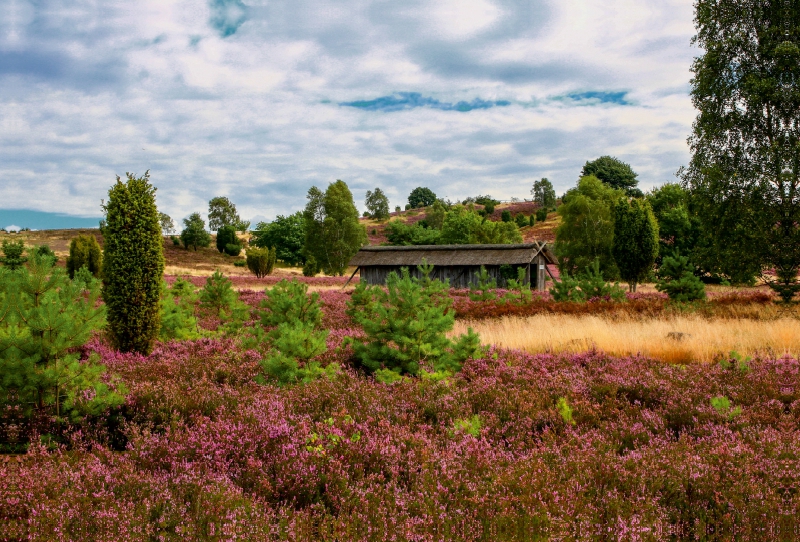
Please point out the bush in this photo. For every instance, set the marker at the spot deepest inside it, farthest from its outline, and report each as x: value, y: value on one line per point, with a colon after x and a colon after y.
x: 488, y: 208
x: 541, y: 214
x: 311, y: 267
x: 226, y: 235
x: 240, y: 263
x: 505, y: 216
x: 133, y: 265
x: 532, y: 219
x: 588, y: 285
x: 676, y: 278
x: 261, y: 261
x: 521, y: 220
x: 294, y: 319
x: 178, y: 321
x: 46, y: 251
x: 84, y: 251
x: 233, y: 249
x: 406, y: 326
x: 12, y: 254
x: 175, y: 240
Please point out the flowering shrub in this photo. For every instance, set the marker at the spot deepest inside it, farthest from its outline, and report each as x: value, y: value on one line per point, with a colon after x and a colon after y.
x: 576, y: 446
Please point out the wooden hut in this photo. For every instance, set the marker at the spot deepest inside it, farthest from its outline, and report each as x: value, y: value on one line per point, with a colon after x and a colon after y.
x: 460, y: 264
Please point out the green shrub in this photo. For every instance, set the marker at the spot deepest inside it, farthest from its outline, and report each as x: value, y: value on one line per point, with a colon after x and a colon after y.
x: 294, y: 321
x: 483, y: 289
x: 588, y: 285
x: 677, y: 279
x: 505, y: 216
x: 240, y: 263
x: 406, y: 325
x: 311, y: 267
x: 232, y: 249
x: 84, y: 251
x: 46, y: 251
x: 226, y: 235
x: 261, y: 261
x: 175, y: 240
x: 12, y: 254
x: 541, y: 215
x: 521, y: 220
x: 133, y: 264
x: 178, y: 321
x: 532, y: 219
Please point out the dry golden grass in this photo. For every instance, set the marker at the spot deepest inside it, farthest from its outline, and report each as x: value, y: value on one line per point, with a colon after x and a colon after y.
x: 681, y: 339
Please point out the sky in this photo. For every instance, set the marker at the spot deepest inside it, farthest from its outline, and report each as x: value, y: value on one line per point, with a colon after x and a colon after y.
x: 258, y: 100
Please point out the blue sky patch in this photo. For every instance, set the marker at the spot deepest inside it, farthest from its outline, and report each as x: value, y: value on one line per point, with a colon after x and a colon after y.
x: 38, y: 220
x: 227, y: 16
x: 409, y: 100
x: 595, y: 97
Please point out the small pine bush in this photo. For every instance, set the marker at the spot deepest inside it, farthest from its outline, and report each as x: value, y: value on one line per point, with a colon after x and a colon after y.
x: 677, y: 279
x: 311, y: 267
x: 45, y: 251
x: 232, y: 249
x: 505, y: 216
x: 261, y: 261
x: 521, y: 220
x: 226, y: 235
x: 178, y: 321
x: 532, y: 219
x: 175, y: 240
x: 12, y: 254
x: 541, y: 215
x: 84, y: 251
x: 588, y: 285
x: 240, y: 263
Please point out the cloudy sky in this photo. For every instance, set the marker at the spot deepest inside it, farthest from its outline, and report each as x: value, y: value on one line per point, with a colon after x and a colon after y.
x: 258, y: 100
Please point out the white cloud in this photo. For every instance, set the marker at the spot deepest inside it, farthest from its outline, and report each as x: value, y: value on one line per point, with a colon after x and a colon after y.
x: 91, y: 92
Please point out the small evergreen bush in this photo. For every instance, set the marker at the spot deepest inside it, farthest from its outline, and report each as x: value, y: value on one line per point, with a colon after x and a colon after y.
x: 505, y: 216
x: 521, y: 220
x: 194, y: 233
x: 311, y: 267
x: 178, y: 321
x: 232, y: 249
x: 532, y: 219
x: 46, y: 251
x: 84, y: 251
x: 261, y: 261
x: 677, y: 279
x: 12, y: 254
x: 240, y: 263
x: 541, y: 215
x: 406, y: 325
x: 588, y: 285
x: 226, y: 235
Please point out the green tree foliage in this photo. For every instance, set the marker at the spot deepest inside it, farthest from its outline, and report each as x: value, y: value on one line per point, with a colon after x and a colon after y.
x: 635, y: 246
x: 590, y: 284
x: 544, y: 194
x: 218, y: 295
x: 541, y: 215
x: 261, y: 261
x: 613, y: 172
x: 400, y: 233
x: 677, y: 279
x: 678, y: 228
x: 133, y: 264
x: 586, y: 232
x: 505, y: 216
x: 222, y: 212
x: 194, y: 232
x: 745, y: 168
x: 44, y: 250
x: 421, y: 197
x: 294, y: 321
x: 311, y: 267
x: 226, y: 235
x: 13, y: 254
x: 178, y: 321
x: 44, y: 319
x: 406, y: 326
x: 286, y: 234
x: 167, y: 225
x: 84, y: 251
x: 377, y: 204
x: 435, y: 215
x: 520, y: 220
x: 333, y: 232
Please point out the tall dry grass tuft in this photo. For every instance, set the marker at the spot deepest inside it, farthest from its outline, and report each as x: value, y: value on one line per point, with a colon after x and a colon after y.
x: 679, y: 339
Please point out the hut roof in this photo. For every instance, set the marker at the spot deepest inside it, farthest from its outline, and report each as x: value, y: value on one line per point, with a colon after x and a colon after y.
x: 445, y: 255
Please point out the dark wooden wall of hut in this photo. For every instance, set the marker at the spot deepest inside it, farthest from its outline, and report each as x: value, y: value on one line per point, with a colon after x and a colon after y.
x: 460, y: 276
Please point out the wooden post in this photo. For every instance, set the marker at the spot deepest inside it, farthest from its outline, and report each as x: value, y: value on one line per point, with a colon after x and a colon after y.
x: 351, y: 278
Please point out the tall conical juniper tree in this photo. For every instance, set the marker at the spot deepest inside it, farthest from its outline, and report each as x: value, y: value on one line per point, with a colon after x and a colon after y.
x: 745, y: 167
x: 635, y: 245
x: 133, y: 264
